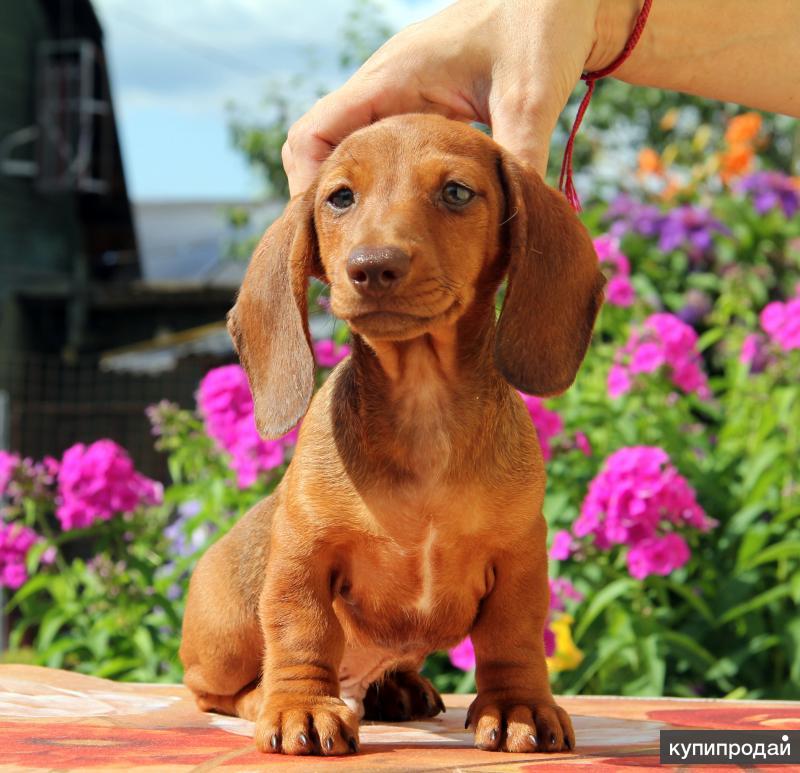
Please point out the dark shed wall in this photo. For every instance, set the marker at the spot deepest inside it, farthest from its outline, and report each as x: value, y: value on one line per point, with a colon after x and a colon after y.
x: 40, y: 233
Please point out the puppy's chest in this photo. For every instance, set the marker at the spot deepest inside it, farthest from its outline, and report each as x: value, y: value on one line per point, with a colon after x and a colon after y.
x: 422, y: 594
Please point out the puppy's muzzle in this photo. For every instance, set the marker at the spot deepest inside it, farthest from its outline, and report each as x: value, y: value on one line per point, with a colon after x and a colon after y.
x: 376, y: 271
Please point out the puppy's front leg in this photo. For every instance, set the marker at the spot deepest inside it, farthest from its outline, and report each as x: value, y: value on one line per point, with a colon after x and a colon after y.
x: 514, y: 710
x: 303, y: 646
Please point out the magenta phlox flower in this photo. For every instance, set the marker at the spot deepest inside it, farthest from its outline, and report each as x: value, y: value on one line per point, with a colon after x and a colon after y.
x: 226, y: 404
x: 548, y: 423
x: 638, y: 498
x: 563, y: 545
x: 663, y: 341
x: 98, y: 481
x: 329, y: 354
x: 619, y: 290
x: 8, y: 465
x: 657, y: 555
x: 15, y: 542
x: 781, y: 322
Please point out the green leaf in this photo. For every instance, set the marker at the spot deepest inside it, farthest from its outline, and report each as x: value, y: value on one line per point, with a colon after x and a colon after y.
x: 789, y: 548
x: 600, y: 601
x: 767, y: 597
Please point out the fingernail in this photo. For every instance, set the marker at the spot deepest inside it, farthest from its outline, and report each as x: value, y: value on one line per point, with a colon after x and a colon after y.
x: 353, y: 745
x: 329, y: 743
x: 301, y: 739
x: 493, y: 735
x: 273, y: 742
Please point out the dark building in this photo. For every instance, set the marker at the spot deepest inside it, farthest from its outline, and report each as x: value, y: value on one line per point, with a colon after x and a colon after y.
x: 71, y: 284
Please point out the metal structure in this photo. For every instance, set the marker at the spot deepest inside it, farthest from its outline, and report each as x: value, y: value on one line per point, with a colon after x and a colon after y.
x: 72, y: 140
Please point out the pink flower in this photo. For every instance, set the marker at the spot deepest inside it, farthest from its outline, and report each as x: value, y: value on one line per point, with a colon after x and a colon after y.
x: 15, y: 542
x: 563, y: 546
x: 8, y: 464
x: 781, y: 321
x: 619, y: 291
x: 548, y: 423
x: 582, y: 443
x: 637, y: 497
x: 463, y: 655
x: 329, y: 354
x: 663, y: 342
x: 98, y: 481
x: 657, y: 555
x: 226, y: 404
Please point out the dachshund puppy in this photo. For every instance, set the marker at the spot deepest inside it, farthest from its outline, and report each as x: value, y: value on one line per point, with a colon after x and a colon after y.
x: 411, y: 513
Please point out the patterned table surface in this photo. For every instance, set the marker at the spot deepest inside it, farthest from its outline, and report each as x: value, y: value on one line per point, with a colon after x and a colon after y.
x: 56, y: 720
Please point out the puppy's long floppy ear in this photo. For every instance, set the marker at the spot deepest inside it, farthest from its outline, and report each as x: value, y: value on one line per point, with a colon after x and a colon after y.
x: 555, y: 287
x: 269, y: 323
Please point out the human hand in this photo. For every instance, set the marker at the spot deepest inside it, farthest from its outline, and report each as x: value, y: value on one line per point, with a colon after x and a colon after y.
x: 510, y: 64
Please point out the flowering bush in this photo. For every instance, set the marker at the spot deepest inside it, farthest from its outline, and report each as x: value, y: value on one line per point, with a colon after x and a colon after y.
x: 673, y: 464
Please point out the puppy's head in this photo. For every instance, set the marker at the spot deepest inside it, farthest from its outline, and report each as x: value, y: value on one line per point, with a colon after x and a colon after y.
x: 410, y: 220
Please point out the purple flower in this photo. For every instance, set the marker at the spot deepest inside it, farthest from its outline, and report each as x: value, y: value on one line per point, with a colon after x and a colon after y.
x: 695, y: 307
x: 691, y: 228
x: 771, y: 190
x: 98, y: 481
x: 627, y: 215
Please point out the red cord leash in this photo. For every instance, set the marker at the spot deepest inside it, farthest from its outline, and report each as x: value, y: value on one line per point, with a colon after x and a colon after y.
x: 565, y: 182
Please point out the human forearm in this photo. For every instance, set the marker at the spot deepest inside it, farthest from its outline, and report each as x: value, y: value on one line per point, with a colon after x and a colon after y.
x: 734, y: 50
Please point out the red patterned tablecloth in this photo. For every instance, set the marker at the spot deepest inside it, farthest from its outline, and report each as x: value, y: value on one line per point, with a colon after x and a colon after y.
x: 59, y: 721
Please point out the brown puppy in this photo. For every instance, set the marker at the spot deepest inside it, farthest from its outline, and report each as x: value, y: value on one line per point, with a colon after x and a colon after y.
x: 410, y: 515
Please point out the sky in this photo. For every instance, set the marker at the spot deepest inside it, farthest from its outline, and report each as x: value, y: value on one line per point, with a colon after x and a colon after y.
x: 176, y: 64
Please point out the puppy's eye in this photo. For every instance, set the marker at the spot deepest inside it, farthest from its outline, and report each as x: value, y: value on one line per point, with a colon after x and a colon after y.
x: 341, y: 199
x: 456, y: 195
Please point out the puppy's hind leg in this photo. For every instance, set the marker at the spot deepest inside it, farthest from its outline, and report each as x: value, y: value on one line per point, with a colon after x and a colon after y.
x: 245, y: 704
x: 222, y: 645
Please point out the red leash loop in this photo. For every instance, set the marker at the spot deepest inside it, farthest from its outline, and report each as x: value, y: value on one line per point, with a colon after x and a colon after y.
x: 565, y: 182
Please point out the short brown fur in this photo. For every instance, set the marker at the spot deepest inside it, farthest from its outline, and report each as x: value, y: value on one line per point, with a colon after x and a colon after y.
x: 411, y: 513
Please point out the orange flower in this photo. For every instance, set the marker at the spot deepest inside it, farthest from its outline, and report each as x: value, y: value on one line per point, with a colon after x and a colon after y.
x: 736, y: 161
x: 743, y: 128
x: 650, y: 162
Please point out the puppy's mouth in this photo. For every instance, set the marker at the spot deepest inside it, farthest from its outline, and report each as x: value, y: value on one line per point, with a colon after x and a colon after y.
x: 397, y: 325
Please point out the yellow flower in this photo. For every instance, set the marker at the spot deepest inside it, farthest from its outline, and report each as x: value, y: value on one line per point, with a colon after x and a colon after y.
x: 567, y: 656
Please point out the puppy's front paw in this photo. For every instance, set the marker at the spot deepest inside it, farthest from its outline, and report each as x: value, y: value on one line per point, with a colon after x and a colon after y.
x: 520, y: 725
x: 297, y: 724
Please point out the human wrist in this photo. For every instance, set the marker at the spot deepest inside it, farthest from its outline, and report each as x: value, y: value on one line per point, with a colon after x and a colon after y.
x: 614, y: 22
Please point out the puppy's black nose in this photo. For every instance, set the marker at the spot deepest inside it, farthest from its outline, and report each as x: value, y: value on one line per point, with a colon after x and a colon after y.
x: 376, y: 270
